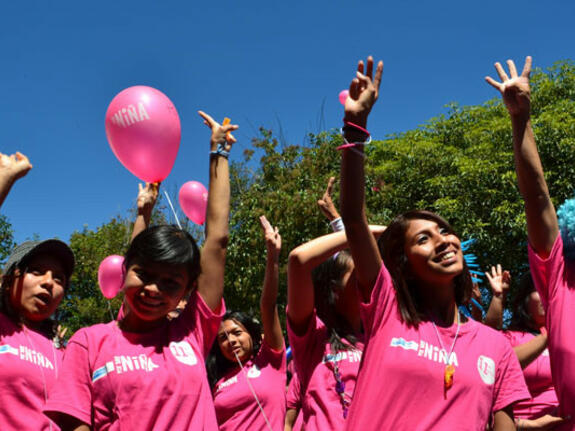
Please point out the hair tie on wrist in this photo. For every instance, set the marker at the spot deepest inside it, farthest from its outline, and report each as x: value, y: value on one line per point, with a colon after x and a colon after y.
x: 356, y: 127
x: 220, y: 151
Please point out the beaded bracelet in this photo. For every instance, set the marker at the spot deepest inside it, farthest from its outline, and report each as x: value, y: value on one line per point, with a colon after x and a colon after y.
x: 220, y: 151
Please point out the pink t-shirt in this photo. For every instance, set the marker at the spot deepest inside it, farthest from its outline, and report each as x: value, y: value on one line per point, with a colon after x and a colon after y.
x: 539, y: 382
x: 236, y: 407
x: 554, y: 279
x: 294, y: 400
x: 401, y: 381
x: 118, y: 380
x: 321, y: 405
x: 29, y: 365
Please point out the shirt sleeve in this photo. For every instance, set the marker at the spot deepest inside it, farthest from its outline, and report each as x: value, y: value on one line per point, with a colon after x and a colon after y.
x: 548, y: 273
x: 267, y: 355
x: 293, y: 396
x: 199, y: 319
x: 72, y: 392
x: 382, y: 302
x: 308, y: 349
x: 510, y: 384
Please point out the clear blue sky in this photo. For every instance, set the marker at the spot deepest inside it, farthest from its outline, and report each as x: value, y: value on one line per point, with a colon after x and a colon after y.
x: 260, y: 63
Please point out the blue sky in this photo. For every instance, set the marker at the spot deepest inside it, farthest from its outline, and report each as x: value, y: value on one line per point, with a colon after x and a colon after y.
x: 260, y: 63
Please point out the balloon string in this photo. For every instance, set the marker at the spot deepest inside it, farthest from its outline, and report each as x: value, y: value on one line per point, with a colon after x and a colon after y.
x: 173, y: 210
x: 250, y: 384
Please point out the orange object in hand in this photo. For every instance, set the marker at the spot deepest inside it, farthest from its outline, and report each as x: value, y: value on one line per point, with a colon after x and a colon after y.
x: 225, y: 123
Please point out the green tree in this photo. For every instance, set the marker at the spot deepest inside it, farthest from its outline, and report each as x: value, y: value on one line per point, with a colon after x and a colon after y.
x: 6, y: 239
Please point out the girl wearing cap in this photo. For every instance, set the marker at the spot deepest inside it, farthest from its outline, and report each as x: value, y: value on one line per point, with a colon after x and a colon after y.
x: 33, y: 284
x: 146, y: 371
x: 426, y: 367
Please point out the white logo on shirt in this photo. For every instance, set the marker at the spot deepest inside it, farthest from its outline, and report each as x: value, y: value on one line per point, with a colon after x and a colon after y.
x: 426, y: 350
x: 27, y: 354
x: 545, y: 352
x: 486, y: 368
x: 183, y: 352
x: 254, y: 372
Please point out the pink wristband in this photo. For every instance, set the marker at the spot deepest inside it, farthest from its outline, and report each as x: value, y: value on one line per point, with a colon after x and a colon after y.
x: 355, y: 126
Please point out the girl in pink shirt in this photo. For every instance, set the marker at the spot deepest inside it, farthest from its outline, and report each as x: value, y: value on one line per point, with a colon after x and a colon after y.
x: 324, y: 329
x: 425, y: 367
x: 528, y: 337
x: 33, y: 284
x: 552, y: 273
x: 248, y: 375
x: 146, y: 371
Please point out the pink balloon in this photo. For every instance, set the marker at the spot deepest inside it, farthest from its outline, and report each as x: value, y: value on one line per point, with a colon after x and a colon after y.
x: 343, y: 95
x: 143, y: 129
x: 111, y: 275
x: 194, y: 201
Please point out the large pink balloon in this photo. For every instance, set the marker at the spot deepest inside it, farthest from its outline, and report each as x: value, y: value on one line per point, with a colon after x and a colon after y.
x: 111, y: 275
x: 143, y: 129
x: 194, y: 201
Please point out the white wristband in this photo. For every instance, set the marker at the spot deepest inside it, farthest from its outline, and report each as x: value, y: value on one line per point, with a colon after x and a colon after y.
x: 337, y: 224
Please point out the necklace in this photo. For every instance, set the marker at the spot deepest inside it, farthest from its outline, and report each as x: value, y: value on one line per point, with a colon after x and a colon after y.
x: 344, y: 398
x: 449, y: 370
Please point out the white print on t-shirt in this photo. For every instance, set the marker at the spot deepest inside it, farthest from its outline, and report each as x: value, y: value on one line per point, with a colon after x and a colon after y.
x: 426, y: 350
x: 183, y: 352
x: 545, y: 352
x: 350, y: 355
x: 227, y: 383
x: 122, y: 364
x: 27, y: 354
x: 486, y: 368
x: 254, y: 372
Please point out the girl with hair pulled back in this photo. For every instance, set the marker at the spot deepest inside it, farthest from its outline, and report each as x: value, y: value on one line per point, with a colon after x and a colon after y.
x: 430, y: 367
x: 247, y: 371
x: 145, y: 370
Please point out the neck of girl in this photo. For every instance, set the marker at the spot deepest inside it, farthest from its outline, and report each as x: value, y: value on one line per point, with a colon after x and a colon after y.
x: 440, y: 303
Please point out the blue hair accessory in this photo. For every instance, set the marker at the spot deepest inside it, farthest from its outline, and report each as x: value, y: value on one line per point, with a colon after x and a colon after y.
x: 471, y: 261
x: 566, y: 218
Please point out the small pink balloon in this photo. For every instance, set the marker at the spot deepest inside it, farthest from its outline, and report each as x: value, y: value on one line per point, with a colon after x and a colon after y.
x: 111, y: 275
x: 193, y: 198
x: 343, y: 95
x: 143, y: 129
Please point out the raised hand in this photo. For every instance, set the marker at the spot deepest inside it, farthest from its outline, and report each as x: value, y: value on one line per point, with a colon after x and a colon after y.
x: 221, y: 134
x: 499, y: 280
x: 147, y: 197
x: 14, y: 166
x: 363, y: 92
x: 272, y: 237
x: 514, y: 88
x: 326, y: 204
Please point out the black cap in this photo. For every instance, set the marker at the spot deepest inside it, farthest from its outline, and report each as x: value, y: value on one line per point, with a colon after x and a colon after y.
x: 54, y: 247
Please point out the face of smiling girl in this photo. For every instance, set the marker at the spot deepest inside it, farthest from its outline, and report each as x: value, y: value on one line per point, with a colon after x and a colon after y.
x: 233, y: 339
x: 154, y: 289
x: 433, y: 252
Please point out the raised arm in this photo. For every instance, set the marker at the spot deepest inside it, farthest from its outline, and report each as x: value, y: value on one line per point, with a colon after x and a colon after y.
x: 363, y: 93
x: 542, y: 227
x: 147, y: 197
x: 499, y: 282
x: 301, y: 262
x: 268, y: 301
x: 12, y: 168
x: 213, y: 255
x: 529, y: 351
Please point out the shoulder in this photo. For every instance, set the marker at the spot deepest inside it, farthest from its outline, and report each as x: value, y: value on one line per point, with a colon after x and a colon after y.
x: 94, y: 333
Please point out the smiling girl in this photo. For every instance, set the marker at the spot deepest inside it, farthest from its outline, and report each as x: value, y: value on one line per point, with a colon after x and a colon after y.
x: 34, y: 281
x: 426, y: 367
x: 146, y: 371
x: 248, y: 373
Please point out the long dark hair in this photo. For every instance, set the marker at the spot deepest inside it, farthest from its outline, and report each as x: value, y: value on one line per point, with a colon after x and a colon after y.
x: 327, y: 278
x: 392, y: 249
x: 521, y: 319
x: 217, y: 364
x: 166, y: 244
